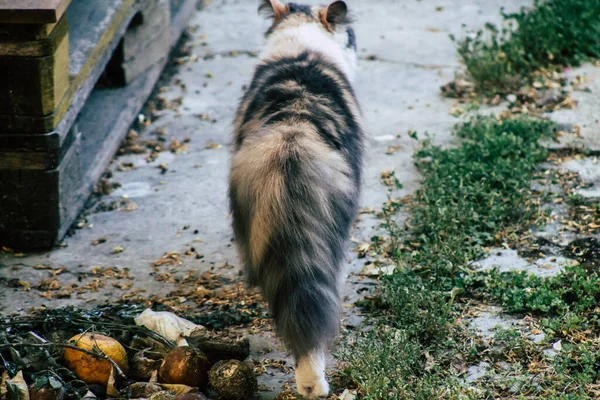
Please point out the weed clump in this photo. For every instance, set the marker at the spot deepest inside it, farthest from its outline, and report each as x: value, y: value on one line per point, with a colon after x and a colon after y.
x: 470, y: 197
x: 551, y: 34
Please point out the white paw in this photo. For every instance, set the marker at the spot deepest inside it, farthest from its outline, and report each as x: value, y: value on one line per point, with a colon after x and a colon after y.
x: 312, y: 389
x: 310, y: 376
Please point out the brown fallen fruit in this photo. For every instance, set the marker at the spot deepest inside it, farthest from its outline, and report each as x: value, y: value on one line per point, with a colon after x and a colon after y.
x: 185, y: 366
x: 233, y: 380
x: 46, y: 393
x: 89, y: 368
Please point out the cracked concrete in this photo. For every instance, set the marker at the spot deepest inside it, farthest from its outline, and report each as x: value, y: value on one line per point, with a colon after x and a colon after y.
x: 585, y: 115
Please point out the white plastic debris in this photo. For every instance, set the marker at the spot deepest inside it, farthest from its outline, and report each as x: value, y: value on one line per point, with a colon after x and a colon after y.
x: 557, y: 346
x: 170, y: 326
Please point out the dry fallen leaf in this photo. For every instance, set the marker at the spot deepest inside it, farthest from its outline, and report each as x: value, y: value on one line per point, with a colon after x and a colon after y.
x: 99, y: 241
x: 392, y: 149
x: 372, y: 269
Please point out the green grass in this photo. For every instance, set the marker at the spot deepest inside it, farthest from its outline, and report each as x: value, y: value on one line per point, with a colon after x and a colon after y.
x: 571, y: 374
x: 388, y: 364
x: 553, y: 33
x: 564, y: 303
x: 574, y: 291
x: 475, y: 196
x: 469, y: 194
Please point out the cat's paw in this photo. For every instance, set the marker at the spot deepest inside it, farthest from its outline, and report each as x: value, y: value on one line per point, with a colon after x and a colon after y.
x: 310, y: 376
x: 312, y: 388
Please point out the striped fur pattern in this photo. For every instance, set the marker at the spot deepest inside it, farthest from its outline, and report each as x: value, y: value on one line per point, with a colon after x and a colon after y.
x: 295, y: 177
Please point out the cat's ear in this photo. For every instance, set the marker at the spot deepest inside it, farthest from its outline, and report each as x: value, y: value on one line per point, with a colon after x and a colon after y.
x: 335, y: 14
x: 273, y: 9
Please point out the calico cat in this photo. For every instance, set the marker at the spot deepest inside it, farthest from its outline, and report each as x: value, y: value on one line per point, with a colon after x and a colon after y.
x: 296, y: 174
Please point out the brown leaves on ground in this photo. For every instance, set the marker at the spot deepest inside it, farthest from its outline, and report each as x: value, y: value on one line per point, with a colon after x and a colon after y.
x: 392, y: 149
x: 118, y: 205
x: 262, y: 366
x: 582, y: 219
x: 388, y: 178
x: 538, y: 101
x: 170, y: 258
x: 106, y: 186
x: 135, y: 144
x: 547, y: 91
x: 53, y: 288
x: 460, y: 88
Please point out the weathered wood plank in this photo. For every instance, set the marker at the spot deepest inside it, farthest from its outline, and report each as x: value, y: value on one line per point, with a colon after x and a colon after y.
x: 11, y: 124
x: 29, y: 142
x: 53, y: 198
x: 25, y: 31
x: 42, y: 202
x: 14, y: 46
x: 32, y: 11
x: 148, y: 42
x: 102, y: 132
x: 35, y: 196
x: 155, y: 19
x: 34, y: 85
x: 86, y: 64
x: 88, y: 45
x: 29, y: 152
x: 84, y: 59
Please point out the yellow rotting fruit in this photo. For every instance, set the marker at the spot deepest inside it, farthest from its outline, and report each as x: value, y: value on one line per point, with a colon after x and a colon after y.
x: 90, y: 369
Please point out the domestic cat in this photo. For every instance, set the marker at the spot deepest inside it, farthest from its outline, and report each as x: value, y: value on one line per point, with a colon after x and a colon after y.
x: 295, y: 176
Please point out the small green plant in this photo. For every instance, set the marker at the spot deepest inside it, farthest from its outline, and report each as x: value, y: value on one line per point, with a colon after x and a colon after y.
x: 418, y: 308
x: 468, y: 195
x: 565, y: 302
x: 577, y: 364
x: 550, y: 34
x: 387, y: 364
x: 472, y: 192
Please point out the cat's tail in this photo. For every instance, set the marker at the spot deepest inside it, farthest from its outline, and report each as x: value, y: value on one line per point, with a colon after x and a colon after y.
x: 293, y: 200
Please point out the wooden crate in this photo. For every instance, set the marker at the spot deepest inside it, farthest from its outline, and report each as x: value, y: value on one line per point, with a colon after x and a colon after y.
x: 58, y: 131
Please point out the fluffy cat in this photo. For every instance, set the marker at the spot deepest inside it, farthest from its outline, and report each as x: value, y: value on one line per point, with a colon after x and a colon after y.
x: 295, y: 177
